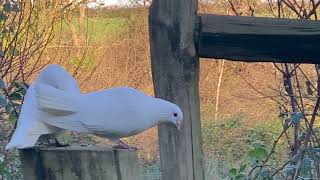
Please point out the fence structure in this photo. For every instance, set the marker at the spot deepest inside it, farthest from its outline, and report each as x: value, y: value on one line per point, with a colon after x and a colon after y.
x: 179, y: 36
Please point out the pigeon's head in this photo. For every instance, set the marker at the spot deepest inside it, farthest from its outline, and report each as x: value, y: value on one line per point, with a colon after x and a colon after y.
x: 169, y: 112
x: 173, y: 114
x: 177, y: 116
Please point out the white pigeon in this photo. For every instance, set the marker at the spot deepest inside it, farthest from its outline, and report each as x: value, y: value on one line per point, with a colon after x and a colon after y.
x: 54, y: 103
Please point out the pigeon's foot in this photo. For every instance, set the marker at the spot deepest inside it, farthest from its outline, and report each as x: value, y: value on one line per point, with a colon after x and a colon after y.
x: 55, y: 143
x: 50, y: 140
x: 122, y: 145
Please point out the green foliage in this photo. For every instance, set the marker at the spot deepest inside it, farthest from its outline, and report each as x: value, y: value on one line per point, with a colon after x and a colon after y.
x: 260, y: 170
x: 10, y: 166
x: 4, y: 173
x: 258, y: 154
x: 238, y: 174
x: 11, y: 100
x: 9, y: 10
x: 238, y: 147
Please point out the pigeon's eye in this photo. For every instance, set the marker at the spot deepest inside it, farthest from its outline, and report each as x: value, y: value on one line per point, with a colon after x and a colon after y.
x: 175, y: 114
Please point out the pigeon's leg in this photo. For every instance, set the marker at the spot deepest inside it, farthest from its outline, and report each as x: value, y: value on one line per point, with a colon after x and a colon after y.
x: 122, y: 145
x: 50, y: 140
x: 56, y: 143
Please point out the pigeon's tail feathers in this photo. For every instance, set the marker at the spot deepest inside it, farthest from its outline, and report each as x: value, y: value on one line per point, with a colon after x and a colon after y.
x: 20, y: 142
x: 56, y: 76
x: 54, y: 101
x: 29, y: 128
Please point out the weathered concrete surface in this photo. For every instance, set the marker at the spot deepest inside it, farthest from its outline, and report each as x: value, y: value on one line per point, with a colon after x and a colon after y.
x: 79, y: 163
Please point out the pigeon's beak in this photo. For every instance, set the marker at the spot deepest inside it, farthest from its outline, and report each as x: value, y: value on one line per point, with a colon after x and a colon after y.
x: 178, y: 125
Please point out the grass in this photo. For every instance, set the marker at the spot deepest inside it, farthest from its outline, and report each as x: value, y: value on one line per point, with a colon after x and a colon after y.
x: 107, y: 28
x: 98, y: 29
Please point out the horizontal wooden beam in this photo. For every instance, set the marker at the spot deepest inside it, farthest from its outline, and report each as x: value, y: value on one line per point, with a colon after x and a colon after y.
x: 256, y: 39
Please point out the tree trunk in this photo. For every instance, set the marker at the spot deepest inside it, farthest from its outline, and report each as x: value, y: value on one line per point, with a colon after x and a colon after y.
x: 218, y: 89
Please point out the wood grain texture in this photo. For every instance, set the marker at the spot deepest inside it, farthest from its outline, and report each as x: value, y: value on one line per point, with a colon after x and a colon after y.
x: 79, y: 163
x: 175, y: 70
x: 254, y: 39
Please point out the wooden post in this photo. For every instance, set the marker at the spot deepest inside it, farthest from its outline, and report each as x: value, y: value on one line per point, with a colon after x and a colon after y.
x: 175, y: 70
x: 79, y: 163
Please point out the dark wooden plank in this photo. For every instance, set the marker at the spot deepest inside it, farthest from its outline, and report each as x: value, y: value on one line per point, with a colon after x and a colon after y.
x: 256, y: 39
x: 175, y: 70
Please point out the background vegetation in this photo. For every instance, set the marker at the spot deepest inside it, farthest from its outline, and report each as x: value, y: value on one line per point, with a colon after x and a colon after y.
x: 250, y: 111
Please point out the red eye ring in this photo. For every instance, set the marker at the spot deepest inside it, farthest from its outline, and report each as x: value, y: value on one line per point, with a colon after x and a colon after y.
x: 175, y: 114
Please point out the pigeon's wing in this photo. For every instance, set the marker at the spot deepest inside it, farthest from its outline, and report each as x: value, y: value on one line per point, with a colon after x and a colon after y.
x: 54, y: 101
x: 117, y: 112
x: 59, y: 108
x: 115, y: 121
